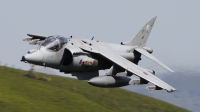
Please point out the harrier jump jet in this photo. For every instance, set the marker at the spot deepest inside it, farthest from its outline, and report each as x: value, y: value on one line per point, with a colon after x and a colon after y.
x: 84, y: 58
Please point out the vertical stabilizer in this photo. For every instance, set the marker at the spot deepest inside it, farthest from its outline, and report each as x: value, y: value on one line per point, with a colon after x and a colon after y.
x: 141, y: 37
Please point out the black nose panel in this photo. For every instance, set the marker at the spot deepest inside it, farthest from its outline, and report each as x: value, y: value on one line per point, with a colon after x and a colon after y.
x: 23, y: 58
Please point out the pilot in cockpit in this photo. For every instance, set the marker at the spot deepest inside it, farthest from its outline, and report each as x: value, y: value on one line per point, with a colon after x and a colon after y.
x: 54, y: 43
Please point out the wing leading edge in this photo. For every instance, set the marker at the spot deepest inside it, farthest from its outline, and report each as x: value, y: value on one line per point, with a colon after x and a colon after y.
x: 102, y: 49
x: 35, y: 39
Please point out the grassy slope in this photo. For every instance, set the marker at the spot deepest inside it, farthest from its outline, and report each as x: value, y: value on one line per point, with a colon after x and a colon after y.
x: 21, y: 94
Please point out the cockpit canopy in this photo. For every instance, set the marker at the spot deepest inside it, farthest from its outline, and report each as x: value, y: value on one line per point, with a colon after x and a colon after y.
x: 54, y: 42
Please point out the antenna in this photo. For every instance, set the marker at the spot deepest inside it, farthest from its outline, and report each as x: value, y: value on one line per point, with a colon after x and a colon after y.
x: 92, y: 38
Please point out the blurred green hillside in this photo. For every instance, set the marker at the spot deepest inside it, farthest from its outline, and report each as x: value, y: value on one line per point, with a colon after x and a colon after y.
x: 19, y: 93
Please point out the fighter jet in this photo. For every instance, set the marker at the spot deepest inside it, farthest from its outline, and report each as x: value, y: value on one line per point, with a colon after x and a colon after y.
x: 84, y: 58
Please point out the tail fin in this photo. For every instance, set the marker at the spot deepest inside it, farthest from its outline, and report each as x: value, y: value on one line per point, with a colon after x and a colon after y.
x: 141, y: 37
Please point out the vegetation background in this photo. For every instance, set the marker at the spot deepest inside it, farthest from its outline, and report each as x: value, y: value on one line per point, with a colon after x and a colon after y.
x: 19, y: 93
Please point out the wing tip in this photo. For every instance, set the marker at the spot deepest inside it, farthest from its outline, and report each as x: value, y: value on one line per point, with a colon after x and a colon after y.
x: 171, y: 90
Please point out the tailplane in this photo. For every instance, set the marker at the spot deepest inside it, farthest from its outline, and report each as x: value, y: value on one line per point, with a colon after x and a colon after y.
x: 141, y: 37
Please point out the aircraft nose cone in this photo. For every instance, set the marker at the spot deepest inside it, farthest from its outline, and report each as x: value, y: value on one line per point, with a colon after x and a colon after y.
x: 23, y: 58
x: 34, y: 58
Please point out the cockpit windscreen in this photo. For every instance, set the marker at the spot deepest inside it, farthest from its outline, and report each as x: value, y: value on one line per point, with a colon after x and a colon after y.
x: 54, y: 42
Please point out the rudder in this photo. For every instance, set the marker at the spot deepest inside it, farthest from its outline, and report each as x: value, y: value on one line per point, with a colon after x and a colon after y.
x: 141, y: 37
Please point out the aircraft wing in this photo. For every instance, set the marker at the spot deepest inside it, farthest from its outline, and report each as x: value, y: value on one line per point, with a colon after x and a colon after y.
x: 105, y: 51
x: 34, y: 39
